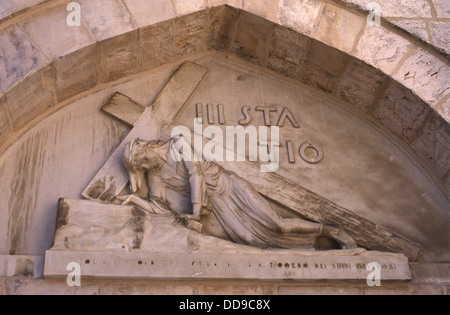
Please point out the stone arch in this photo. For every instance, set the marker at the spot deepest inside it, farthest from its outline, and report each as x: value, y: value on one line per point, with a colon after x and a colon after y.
x: 406, y: 78
x: 369, y: 68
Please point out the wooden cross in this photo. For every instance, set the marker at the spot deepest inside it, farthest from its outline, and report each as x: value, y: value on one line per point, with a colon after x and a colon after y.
x: 154, y: 123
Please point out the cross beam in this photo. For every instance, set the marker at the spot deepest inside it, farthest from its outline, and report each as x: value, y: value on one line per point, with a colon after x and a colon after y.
x: 113, y: 178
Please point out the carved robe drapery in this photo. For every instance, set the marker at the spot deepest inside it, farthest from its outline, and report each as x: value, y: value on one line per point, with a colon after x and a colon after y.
x: 243, y: 213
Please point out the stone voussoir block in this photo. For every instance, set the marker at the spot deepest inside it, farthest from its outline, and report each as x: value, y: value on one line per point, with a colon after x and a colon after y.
x: 232, y: 3
x: 191, y: 33
x: 401, y: 111
x: 9, y: 8
x: 50, y: 31
x: 417, y: 28
x: 252, y: 39
x: 442, y: 8
x: 107, y: 18
x: 183, y: 7
x: 119, y: 56
x: 381, y: 48
x: 426, y: 75
x: 432, y: 144
x: 323, y: 67
x: 339, y: 28
x: 149, y: 12
x: 32, y: 96
x: 223, y: 24
x: 360, y: 84
x: 18, y: 57
x: 288, y: 45
x: 267, y: 9
x: 157, y: 44
x: 288, y: 49
x: 299, y: 15
x: 76, y: 72
x: 439, y: 32
x: 397, y: 8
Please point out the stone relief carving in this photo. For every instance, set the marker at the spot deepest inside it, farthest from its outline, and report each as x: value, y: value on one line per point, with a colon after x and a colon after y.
x: 203, y: 210
x: 196, y: 190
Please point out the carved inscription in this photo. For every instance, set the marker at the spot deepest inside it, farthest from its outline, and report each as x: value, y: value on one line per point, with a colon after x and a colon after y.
x: 218, y: 266
x: 309, y: 152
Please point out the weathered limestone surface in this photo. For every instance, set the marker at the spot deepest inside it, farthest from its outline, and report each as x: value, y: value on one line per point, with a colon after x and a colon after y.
x: 21, y: 266
x: 191, y: 35
x: 439, y: 33
x: 252, y: 38
x: 382, y: 49
x: 106, y: 18
x: 19, y: 56
x: 5, y: 123
x: 432, y: 144
x: 265, y: 265
x: 113, y: 241
x: 339, y: 28
x: 287, y: 52
x: 288, y: 46
x: 426, y: 281
x: 59, y: 38
x: 183, y: 7
x: 360, y: 86
x: 416, y: 28
x: 76, y: 72
x: 323, y: 71
x: 421, y: 18
x: 300, y: 15
x: 122, y: 56
x: 148, y: 12
x: 11, y: 7
x: 398, y: 8
x: 401, y: 112
x: 322, y: 20
x: 32, y: 97
x: 427, y: 75
x: 267, y: 9
x: 157, y: 44
x: 442, y: 8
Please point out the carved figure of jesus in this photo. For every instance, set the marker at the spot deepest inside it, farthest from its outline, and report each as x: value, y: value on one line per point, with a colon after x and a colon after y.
x: 194, y: 190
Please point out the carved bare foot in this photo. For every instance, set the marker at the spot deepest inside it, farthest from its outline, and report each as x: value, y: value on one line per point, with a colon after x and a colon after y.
x: 189, y: 222
x: 194, y: 225
x: 339, y: 235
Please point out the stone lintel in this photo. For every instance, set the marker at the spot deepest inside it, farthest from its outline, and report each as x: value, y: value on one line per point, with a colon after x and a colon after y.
x: 272, y: 265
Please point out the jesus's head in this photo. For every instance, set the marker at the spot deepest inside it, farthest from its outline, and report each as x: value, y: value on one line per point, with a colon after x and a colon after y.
x: 140, y: 157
